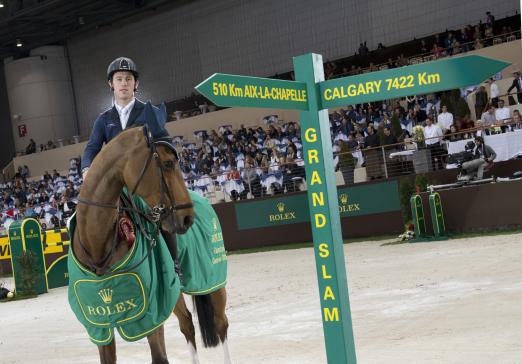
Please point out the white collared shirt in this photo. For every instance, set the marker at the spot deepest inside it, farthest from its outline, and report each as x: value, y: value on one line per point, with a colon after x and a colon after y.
x: 432, y: 131
x: 445, y: 120
x: 124, y: 112
x: 503, y: 113
x: 494, y: 91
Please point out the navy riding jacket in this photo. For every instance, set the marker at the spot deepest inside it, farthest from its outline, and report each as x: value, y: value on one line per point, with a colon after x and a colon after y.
x: 106, y: 127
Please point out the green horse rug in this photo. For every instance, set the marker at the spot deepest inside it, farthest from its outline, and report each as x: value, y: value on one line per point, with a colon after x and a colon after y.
x: 201, y: 251
x: 136, y: 302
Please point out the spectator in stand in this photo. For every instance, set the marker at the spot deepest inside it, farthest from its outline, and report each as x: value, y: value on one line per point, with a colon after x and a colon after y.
x: 466, y: 123
x: 517, y: 84
x: 437, y: 51
x: 31, y: 148
x: 451, y: 135
x: 494, y: 92
x: 373, y: 157
x: 503, y: 115
x: 478, y: 44
x: 251, y: 179
x: 423, y: 47
x: 488, y: 33
x: 490, y: 19
x: 411, y: 101
x: 389, y: 138
x: 488, y: 117
x: 517, y: 120
x: 445, y: 119
x: 420, y: 115
x: 481, y: 100
x: 433, y: 136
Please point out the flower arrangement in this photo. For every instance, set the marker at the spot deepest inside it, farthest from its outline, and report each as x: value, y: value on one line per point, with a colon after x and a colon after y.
x: 418, y: 135
x: 408, y: 234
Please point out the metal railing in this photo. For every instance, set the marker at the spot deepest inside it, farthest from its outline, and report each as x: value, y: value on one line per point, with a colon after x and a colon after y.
x: 415, y: 155
x: 429, y: 56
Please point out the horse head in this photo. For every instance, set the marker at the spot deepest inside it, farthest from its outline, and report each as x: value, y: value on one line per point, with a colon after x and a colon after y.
x: 152, y: 171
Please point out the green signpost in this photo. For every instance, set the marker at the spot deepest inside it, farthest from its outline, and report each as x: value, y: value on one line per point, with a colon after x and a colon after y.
x: 311, y: 94
x: 243, y: 91
x: 418, y: 79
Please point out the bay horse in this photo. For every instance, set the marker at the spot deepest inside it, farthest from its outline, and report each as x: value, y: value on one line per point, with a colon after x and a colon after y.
x: 149, y: 168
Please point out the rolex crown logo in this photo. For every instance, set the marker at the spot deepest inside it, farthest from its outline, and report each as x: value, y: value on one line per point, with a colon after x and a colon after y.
x: 281, y: 207
x: 344, y: 198
x: 106, y: 295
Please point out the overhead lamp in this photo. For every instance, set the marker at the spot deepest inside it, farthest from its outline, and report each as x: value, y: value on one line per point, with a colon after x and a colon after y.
x: 1, y: 4
x: 18, y: 42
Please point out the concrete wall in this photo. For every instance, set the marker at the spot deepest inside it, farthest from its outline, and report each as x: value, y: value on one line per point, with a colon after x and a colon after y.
x: 178, y: 48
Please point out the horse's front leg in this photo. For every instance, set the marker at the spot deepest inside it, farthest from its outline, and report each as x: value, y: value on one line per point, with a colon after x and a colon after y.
x: 108, y: 353
x: 187, y: 327
x: 157, y: 346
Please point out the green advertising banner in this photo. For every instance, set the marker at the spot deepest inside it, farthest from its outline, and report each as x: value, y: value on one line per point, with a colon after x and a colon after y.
x: 353, y: 201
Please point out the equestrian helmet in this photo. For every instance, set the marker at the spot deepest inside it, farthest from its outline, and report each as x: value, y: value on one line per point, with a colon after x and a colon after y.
x: 122, y: 64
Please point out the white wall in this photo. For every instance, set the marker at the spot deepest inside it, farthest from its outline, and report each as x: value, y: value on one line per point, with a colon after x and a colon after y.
x: 40, y: 95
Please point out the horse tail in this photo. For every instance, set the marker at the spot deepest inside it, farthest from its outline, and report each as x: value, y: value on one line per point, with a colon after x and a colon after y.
x: 205, y: 312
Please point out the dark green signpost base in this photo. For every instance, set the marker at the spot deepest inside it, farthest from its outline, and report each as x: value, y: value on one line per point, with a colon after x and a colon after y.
x: 25, y: 237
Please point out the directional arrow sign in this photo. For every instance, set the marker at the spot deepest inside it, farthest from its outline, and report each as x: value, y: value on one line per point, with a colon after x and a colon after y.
x: 411, y: 80
x: 244, y: 91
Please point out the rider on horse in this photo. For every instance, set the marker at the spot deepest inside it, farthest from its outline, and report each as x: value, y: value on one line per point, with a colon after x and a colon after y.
x: 122, y: 77
x: 126, y: 112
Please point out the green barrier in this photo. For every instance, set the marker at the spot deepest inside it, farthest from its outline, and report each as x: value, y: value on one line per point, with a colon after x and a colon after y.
x: 25, y: 237
x: 437, y: 216
x: 57, y: 273
x: 417, y: 213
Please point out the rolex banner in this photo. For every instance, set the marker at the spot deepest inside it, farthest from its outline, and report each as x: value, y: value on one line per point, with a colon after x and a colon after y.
x: 353, y: 201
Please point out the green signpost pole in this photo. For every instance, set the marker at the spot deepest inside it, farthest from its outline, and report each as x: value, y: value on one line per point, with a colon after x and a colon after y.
x: 324, y: 216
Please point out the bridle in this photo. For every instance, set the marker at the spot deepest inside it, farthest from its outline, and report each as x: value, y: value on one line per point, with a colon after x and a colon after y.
x: 157, y: 214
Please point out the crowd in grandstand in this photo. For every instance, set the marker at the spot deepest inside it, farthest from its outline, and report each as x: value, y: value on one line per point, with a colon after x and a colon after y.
x: 268, y: 159
x: 51, y: 198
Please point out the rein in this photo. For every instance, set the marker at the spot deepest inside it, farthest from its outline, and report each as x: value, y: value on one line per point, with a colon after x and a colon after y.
x: 157, y: 214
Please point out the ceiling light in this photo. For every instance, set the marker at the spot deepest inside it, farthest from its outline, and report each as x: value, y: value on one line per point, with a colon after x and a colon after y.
x: 18, y: 42
x: 1, y: 4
